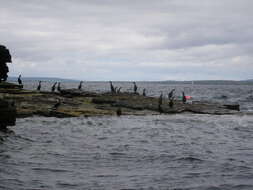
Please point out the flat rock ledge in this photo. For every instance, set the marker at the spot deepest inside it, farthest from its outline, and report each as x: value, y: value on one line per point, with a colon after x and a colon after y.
x: 75, y: 103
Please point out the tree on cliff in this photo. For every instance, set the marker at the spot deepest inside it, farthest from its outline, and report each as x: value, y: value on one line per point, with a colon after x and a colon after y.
x: 5, y: 57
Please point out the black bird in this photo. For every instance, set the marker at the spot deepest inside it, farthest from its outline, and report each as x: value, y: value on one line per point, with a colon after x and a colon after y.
x: 144, y: 92
x: 118, y: 90
x: 57, y: 104
x: 170, y: 95
x: 80, y: 85
x: 160, y: 101
x: 119, y: 112
x: 183, y: 97
x: 112, y: 87
x: 59, y: 87
x: 19, y: 80
x: 39, y: 86
x: 53, y: 87
x: 135, y: 88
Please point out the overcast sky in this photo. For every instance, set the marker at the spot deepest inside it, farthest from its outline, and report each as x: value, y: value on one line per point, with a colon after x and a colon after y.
x: 129, y: 39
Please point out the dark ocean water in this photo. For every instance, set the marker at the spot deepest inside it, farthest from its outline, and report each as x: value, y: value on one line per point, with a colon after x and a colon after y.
x: 186, y: 151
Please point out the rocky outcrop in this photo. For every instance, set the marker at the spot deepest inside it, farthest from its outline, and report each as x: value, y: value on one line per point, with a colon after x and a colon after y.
x: 75, y: 103
x: 9, y: 86
x: 7, y: 114
x: 5, y: 57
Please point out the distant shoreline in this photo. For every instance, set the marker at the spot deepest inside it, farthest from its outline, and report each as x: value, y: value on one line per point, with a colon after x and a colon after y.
x: 194, y: 82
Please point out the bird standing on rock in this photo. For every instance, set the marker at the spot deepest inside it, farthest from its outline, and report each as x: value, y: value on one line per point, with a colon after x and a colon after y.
x: 53, y: 87
x: 80, y: 85
x: 118, y: 90
x: 144, y: 92
x: 183, y: 97
x: 19, y: 80
x: 170, y: 95
x: 135, y: 88
x: 112, y: 87
x: 39, y: 86
x: 59, y: 87
x: 160, y: 101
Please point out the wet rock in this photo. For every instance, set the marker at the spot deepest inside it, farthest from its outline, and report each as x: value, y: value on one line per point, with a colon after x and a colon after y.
x: 75, y: 103
x: 77, y: 92
x: 9, y: 86
x: 7, y: 114
x: 233, y: 107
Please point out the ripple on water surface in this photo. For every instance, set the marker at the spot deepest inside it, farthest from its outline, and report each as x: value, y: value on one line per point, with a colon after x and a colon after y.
x: 160, y: 152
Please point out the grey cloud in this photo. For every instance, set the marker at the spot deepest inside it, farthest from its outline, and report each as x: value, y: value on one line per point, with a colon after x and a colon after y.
x: 143, y: 38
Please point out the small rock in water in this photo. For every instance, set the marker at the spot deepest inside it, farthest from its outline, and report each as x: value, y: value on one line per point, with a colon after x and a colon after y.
x: 119, y: 112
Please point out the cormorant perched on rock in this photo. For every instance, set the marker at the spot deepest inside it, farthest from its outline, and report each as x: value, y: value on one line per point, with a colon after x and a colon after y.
x: 59, y: 87
x: 80, y: 85
x: 112, y: 87
x: 183, y: 97
x: 119, y: 112
x: 39, y: 86
x: 160, y: 102
x: 161, y: 99
x: 118, y: 90
x: 144, y: 92
x: 57, y: 104
x: 135, y: 88
x: 53, y: 87
x: 19, y: 80
x: 170, y: 95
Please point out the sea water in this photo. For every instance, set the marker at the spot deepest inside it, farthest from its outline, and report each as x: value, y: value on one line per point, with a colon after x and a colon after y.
x: 180, y: 151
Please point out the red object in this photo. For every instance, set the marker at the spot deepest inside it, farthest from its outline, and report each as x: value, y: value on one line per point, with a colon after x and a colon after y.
x: 188, y: 97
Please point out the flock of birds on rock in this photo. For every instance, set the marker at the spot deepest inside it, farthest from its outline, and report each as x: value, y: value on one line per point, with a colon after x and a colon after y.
x: 114, y: 90
x: 171, y: 96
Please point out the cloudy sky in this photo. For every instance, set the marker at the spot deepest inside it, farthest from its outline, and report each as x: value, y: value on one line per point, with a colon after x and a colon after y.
x: 129, y: 39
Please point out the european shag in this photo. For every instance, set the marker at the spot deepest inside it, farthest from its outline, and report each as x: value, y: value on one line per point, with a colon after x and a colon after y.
x: 135, y: 88
x: 19, y: 80
x: 170, y: 95
x: 112, y: 87
x: 118, y: 90
x: 183, y: 97
x: 39, y: 86
x: 144, y: 92
x: 53, y: 87
x: 59, y: 87
x: 160, y: 101
x: 80, y: 85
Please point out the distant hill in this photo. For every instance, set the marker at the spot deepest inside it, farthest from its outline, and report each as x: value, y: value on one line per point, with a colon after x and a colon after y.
x: 212, y: 82
x: 45, y: 79
x: 196, y: 82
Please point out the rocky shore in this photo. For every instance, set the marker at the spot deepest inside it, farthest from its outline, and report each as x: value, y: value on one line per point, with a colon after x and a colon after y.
x: 75, y: 103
